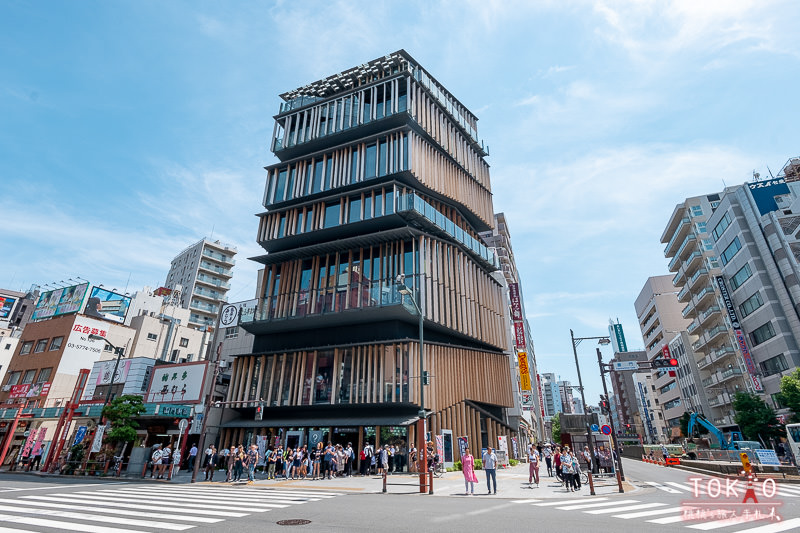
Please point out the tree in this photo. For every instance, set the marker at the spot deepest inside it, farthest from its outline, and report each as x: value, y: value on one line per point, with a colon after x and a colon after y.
x: 556, y: 428
x: 790, y: 393
x: 755, y: 418
x: 122, y: 412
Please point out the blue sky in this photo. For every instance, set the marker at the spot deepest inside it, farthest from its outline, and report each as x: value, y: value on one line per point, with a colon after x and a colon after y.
x: 132, y: 129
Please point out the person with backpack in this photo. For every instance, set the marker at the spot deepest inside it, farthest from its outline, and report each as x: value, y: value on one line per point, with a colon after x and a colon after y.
x: 155, y: 459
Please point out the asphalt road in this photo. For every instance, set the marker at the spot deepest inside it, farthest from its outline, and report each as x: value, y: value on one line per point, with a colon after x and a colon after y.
x: 659, y: 502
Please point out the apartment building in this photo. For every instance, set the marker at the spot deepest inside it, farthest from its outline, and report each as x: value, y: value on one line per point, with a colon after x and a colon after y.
x: 202, y: 273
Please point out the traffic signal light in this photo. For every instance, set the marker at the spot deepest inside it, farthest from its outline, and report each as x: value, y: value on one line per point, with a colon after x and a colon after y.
x: 604, y: 406
x: 665, y: 363
x: 260, y: 411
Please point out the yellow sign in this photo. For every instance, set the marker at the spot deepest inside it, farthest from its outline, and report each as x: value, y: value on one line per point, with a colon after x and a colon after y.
x: 524, y: 372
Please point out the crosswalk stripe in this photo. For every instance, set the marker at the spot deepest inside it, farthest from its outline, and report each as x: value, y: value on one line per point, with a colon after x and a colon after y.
x: 775, y: 527
x: 233, y: 490
x: 95, y: 518
x: 525, y: 501
x: 589, y: 505
x: 126, y: 505
x: 196, y: 502
x: 654, y: 512
x: 12, y: 530
x: 796, y: 490
x: 659, y: 486
x: 262, y: 495
x: 58, y: 524
x: 716, y: 524
x: 212, y: 497
x: 566, y: 502
x: 111, y: 510
x: 668, y: 520
x: 625, y: 508
x: 159, y: 502
x: 781, y: 492
x: 681, y: 486
x: 260, y: 490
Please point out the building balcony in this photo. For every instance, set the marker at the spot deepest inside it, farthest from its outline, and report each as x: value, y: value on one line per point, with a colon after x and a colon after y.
x: 729, y: 374
x: 683, y: 225
x: 708, y: 313
x: 721, y: 352
x: 714, y: 333
x: 203, y: 307
x: 687, y: 245
x: 679, y: 277
x: 697, y: 277
x: 724, y: 421
x: 689, y: 310
x: 212, y: 282
x: 690, y: 261
x: 693, y: 326
x: 704, y: 362
x: 222, y: 258
x: 704, y: 295
x: 674, y: 264
x: 696, y: 345
x: 224, y: 272
x: 709, y: 381
x: 209, y: 295
x: 684, y: 294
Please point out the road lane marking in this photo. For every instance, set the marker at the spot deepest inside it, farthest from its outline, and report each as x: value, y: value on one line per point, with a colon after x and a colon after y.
x: 589, y: 505
x: 654, y: 512
x: 776, y: 527
x: 96, y: 518
x: 659, y: 486
x: 125, y: 505
x: 567, y: 502
x: 111, y: 510
x: 58, y: 524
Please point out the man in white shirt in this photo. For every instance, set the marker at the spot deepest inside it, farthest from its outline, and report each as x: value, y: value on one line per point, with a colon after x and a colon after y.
x: 490, y: 466
x: 192, y: 456
x: 548, y: 453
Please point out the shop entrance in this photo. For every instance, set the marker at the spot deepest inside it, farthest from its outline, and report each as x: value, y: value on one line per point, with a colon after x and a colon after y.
x: 295, y: 439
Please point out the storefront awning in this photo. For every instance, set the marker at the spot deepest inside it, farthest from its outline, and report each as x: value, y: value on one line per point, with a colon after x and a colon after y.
x: 339, y: 421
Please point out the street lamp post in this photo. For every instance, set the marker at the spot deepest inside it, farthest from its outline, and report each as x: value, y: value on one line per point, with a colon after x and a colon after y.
x: 119, y: 352
x: 575, y: 341
x: 620, y: 474
x: 422, y: 448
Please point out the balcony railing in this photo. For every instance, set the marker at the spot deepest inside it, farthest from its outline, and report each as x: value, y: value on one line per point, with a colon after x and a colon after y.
x: 730, y: 373
x: 683, y: 293
x: 677, y: 279
x: 690, y: 260
x: 194, y: 304
x: 704, y: 362
x: 696, y: 276
x: 689, y: 238
x: 213, y: 268
x: 215, y: 282
x: 693, y: 326
x: 673, y: 265
x: 688, y: 310
x: 219, y: 257
x: 359, y: 293
x: 708, y: 312
x: 412, y: 202
x: 675, y: 235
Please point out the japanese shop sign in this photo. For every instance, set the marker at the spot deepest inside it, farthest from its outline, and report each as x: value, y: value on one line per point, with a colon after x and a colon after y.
x: 516, y: 305
x: 177, y: 383
x: 741, y: 340
x: 107, y: 368
x: 519, y: 334
x: 176, y: 411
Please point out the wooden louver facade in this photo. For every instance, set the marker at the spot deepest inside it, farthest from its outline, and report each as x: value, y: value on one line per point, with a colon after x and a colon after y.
x: 381, y: 175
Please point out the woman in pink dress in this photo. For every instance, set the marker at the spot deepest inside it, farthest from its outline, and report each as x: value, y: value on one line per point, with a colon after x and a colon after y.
x: 468, y: 468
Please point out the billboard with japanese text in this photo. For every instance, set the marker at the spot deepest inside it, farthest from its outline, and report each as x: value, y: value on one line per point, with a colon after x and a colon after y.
x: 181, y: 383
x: 6, y: 305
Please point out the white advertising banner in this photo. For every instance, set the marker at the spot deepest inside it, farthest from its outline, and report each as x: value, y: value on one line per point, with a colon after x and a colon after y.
x: 97, y: 443
x: 182, y: 383
x: 80, y: 351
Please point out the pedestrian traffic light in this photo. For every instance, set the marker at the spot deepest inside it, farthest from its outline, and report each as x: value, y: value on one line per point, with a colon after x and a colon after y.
x: 425, y: 377
x: 260, y: 411
x: 665, y: 363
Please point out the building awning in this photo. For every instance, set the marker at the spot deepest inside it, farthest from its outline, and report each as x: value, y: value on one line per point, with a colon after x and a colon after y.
x: 317, y: 421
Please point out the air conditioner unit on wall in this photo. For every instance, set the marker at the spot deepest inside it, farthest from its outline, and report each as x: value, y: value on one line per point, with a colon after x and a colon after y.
x: 6, y: 388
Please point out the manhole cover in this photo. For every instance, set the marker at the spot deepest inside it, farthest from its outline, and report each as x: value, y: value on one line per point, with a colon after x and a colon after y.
x: 294, y: 522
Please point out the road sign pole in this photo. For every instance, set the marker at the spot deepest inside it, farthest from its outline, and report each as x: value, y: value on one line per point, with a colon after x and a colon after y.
x: 620, y: 473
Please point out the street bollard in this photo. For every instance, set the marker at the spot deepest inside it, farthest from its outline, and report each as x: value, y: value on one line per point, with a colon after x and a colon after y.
x: 384, y: 482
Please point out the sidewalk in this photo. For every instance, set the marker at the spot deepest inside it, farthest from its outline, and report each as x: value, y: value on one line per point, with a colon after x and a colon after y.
x: 512, y: 483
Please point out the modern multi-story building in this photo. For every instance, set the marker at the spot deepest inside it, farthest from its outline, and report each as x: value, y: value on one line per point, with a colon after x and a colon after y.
x: 528, y: 410
x: 659, y: 314
x: 625, y: 391
x: 567, y: 399
x: 690, y: 245
x: 758, y: 285
x: 373, y: 211
x: 551, y: 394
x: 202, y: 273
